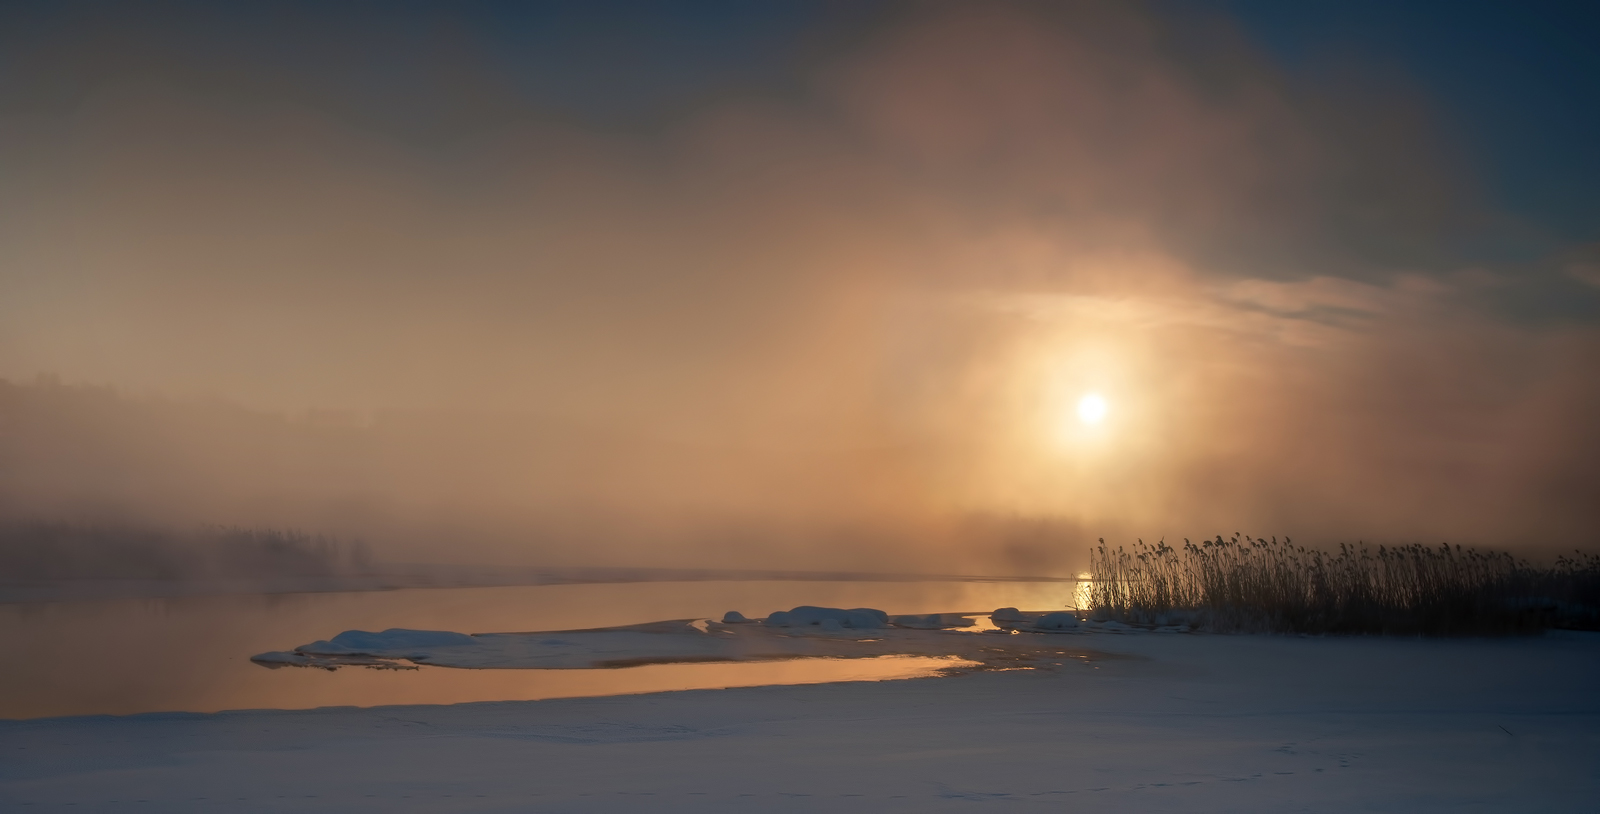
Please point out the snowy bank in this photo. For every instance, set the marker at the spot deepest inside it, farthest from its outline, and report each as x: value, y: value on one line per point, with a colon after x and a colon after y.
x: 806, y: 631
x: 1180, y: 723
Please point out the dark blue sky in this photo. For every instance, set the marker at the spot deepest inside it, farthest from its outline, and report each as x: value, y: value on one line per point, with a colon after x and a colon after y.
x: 1518, y: 83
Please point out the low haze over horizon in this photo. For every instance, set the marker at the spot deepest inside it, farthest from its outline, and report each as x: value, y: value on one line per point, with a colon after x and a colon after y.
x: 936, y: 287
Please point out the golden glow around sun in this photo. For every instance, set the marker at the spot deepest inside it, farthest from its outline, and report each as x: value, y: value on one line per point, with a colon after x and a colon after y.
x: 1092, y: 409
x: 1079, y: 384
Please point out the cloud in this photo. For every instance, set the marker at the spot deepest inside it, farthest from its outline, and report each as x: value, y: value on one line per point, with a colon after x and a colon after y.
x: 847, y: 322
x: 1583, y: 265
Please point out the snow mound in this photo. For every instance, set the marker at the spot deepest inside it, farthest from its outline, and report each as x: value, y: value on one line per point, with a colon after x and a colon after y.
x: 734, y: 618
x: 1008, y: 615
x: 1058, y: 621
x: 389, y: 641
x: 804, y: 632
x: 830, y: 618
x: 281, y: 657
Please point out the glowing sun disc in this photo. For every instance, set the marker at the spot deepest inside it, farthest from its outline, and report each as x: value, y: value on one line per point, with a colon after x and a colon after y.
x: 1091, y: 409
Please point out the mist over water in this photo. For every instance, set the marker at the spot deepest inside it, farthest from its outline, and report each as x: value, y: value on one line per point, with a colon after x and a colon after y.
x: 844, y: 324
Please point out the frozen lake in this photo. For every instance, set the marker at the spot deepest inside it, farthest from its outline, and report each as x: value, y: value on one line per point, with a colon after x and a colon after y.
x: 193, y: 654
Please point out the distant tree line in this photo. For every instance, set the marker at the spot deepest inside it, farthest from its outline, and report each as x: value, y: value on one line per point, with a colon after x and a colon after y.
x: 63, y: 550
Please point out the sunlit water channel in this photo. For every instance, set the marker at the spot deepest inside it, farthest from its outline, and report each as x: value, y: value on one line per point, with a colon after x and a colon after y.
x: 193, y: 653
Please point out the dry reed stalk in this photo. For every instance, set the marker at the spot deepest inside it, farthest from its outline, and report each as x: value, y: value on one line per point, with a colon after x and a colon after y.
x: 1259, y: 585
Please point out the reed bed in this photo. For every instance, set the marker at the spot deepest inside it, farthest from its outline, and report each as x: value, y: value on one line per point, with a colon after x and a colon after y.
x: 1249, y: 584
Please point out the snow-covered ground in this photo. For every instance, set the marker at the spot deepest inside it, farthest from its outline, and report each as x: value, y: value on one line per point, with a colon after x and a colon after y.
x: 1180, y: 723
x: 807, y: 631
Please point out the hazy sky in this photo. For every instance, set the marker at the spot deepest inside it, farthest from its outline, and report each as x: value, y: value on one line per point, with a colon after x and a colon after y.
x: 793, y: 283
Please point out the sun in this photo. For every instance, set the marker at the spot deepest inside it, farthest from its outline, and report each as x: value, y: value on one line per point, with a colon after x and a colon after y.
x: 1092, y: 409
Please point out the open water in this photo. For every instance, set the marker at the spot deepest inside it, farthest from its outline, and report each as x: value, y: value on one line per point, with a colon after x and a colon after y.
x: 128, y: 656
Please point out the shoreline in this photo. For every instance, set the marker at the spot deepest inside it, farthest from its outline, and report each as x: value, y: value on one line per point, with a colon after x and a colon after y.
x: 409, y: 577
x: 1198, y: 723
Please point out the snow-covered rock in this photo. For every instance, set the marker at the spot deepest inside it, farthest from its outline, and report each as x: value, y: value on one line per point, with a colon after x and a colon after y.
x: 389, y: 641
x: 1008, y: 615
x: 278, y: 658
x: 853, y: 618
x: 734, y: 618
x: 1060, y: 620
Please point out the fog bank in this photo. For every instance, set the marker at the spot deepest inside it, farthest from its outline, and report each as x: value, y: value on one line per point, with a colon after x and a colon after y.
x: 850, y: 321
